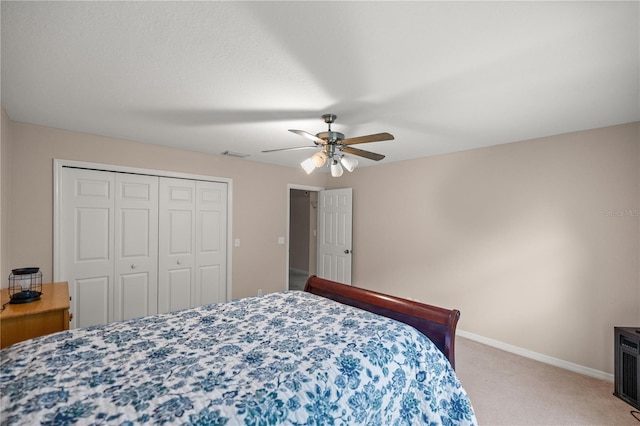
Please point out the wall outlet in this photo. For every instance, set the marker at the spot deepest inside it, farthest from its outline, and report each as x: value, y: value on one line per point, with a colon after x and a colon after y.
x: 259, y: 292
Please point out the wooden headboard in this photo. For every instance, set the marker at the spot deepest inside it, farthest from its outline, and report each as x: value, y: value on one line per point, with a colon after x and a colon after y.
x: 438, y: 324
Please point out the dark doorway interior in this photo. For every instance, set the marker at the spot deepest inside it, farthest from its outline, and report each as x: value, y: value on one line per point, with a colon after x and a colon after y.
x: 302, y: 236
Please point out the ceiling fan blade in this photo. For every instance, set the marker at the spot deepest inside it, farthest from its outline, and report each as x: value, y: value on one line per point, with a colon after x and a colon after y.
x: 291, y: 149
x: 363, y: 153
x: 378, y: 137
x: 308, y: 135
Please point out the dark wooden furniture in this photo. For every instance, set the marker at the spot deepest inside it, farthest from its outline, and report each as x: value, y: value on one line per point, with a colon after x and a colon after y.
x: 24, y: 321
x: 627, y: 364
x: 438, y: 324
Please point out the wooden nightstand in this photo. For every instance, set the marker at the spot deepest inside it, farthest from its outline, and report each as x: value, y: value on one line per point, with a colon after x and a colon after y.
x: 24, y: 321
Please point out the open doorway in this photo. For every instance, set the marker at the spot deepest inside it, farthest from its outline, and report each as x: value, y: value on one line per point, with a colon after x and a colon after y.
x: 303, y: 240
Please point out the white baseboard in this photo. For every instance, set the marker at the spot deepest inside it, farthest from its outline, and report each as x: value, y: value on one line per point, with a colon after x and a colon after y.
x: 537, y: 356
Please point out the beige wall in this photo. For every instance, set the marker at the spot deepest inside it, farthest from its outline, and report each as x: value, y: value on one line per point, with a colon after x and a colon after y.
x: 532, y: 241
x: 5, y: 196
x: 536, y: 242
x: 259, y: 199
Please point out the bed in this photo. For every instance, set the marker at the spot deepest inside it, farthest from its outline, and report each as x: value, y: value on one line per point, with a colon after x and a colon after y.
x: 332, y: 354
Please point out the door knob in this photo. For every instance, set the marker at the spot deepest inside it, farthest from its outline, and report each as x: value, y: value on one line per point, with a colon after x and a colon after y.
x: 179, y: 262
x: 347, y: 251
x: 133, y: 266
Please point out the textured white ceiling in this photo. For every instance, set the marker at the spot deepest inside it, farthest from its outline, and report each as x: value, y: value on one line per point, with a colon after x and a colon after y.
x: 216, y: 76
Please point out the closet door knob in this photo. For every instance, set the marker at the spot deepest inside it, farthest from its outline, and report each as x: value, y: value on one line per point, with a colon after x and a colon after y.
x: 134, y: 266
x: 179, y: 262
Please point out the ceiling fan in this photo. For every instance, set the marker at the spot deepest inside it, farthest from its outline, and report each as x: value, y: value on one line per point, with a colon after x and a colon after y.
x: 333, y: 147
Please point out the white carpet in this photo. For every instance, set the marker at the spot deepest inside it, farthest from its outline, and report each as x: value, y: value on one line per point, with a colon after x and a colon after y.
x: 297, y: 279
x: 507, y: 389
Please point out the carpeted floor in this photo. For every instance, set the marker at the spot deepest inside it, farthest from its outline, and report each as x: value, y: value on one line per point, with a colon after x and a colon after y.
x: 507, y: 389
x: 297, y: 279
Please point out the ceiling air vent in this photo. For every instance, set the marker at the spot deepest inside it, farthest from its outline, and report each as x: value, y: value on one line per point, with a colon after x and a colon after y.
x: 235, y: 154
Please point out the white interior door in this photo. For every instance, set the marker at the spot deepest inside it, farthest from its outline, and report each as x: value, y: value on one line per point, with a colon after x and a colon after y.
x: 211, y: 243
x: 176, y: 244
x: 136, y: 246
x: 334, y: 234
x: 86, y: 258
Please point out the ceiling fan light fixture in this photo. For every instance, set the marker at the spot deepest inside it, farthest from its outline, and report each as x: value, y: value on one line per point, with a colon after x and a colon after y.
x: 333, y: 144
x: 336, y: 169
x: 349, y: 163
x: 319, y: 159
x: 308, y: 165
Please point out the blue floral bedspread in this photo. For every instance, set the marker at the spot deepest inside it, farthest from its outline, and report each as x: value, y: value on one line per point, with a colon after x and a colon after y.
x: 283, y: 358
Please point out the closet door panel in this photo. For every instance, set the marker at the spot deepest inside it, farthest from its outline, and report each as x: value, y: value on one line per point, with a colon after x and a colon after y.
x: 132, y: 296
x: 89, y: 300
x: 180, y: 231
x: 92, y: 228
x: 180, y: 288
x: 86, y: 259
x: 136, y: 246
x: 176, y: 244
x: 210, y: 286
x: 211, y: 242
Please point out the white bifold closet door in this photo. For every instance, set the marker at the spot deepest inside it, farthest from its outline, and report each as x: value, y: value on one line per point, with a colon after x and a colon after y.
x: 192, y: 259
x: 109, y: 230
x: 135, y: 245
x: 86, y: 230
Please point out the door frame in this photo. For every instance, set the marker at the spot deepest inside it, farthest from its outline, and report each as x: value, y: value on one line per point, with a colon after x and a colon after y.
x: 289, y: 188
x: 59, y: 164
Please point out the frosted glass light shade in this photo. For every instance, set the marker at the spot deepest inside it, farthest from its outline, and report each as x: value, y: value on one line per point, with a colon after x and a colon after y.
x: 349, y: 163
x: 319, y: 158
x: 336, y: 169
x: 308, y: 165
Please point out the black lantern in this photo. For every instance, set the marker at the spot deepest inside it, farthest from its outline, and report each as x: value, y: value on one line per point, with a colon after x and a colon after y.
x: 25, y: 285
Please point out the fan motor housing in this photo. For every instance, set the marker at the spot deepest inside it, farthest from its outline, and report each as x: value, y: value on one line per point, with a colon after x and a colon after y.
x: 331, y: 136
